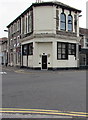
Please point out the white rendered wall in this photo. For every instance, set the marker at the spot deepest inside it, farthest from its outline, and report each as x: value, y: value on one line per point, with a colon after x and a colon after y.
x: 50, y: 47
x: 44, y: 19
x: 42, y: 48
x: 25, y: 61
x: 30, y: 61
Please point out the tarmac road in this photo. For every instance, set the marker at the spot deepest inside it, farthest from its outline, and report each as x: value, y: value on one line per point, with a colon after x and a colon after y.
x: 47, y: 90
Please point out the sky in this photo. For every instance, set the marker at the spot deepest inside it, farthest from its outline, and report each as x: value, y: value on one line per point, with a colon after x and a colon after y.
x: 11, y: 9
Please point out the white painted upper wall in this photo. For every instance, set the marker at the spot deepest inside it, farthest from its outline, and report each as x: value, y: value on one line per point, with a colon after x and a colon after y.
x: 44, y: 21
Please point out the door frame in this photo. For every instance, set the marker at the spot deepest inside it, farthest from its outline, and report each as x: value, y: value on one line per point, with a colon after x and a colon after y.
x: 46, y: 61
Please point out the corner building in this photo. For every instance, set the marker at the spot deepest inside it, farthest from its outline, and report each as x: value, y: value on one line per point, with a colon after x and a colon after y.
x: 45, y: 36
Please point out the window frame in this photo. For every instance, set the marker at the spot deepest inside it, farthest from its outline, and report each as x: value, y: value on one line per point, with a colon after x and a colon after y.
x: 66, y: 50
x: 29, y: 49
x: 66, y: 55
x: 71, y: 49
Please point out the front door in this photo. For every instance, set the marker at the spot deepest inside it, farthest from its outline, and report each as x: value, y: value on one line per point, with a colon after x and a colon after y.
x: 44, y: 62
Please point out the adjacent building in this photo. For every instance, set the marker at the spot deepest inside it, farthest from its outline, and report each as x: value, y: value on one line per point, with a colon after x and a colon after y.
x: 84, y: 47
x: 3, y: 51
x: 45, y: 36
x: 0, y: 51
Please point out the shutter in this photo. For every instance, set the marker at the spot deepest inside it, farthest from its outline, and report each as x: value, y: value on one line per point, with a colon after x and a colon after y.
x: 57, y: 19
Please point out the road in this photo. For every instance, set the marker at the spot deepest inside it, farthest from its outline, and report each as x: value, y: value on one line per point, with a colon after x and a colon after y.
x: 47, y: 90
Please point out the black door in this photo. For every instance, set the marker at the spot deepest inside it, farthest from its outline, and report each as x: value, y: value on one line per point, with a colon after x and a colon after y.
x: 44, y: 62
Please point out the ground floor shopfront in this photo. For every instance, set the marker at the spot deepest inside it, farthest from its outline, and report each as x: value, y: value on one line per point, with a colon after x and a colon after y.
x: 50, y: 53
x: 46, y: 53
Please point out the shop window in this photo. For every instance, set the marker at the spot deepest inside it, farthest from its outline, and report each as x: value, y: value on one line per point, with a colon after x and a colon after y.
x: 31, y: 49
x: 25, y: 49
x: 62, y: 51
x: 72, y: 49
x: 65, y: 49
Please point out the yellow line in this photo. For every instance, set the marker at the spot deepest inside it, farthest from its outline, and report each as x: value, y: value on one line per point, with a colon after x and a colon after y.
x: 44, y: 110
x: 49, y: 113
x: 56, y: 112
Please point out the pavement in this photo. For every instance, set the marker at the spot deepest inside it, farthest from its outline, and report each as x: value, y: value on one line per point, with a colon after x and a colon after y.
x: 27, y: 70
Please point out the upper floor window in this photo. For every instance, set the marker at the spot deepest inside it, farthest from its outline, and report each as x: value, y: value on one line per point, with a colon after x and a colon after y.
x: 63, y: 21
x: 18, y: 25
x: 29, y: 23
x: 70, y: 20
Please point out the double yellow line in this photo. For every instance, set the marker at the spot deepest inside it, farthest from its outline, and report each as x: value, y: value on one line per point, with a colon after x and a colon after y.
x: 44, y: 112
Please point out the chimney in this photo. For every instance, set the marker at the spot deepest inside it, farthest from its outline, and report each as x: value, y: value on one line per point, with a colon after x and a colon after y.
x: 38, y: 1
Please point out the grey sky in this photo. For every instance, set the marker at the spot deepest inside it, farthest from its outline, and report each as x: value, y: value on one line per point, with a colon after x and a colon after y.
x: 10, y: 9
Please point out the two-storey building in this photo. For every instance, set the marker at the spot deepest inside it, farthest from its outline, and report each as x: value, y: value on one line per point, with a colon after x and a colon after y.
x: 3, y: 51
x: 45, y: 36
x: 84, y: 47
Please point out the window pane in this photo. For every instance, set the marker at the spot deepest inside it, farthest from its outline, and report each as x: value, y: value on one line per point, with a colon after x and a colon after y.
x: 73, y: 52
x: 59, y: 45
x: 69, y: 27
x: 63, y: 17
x: 59, y: 56
x: 69, y: 46
x: 73, y: 47
x: 59, y: 51
x: 69, y: 52
x: 31, y: 49
x: 63, y: 56
x: 25, y: 49
x: 63, y: 51
x: 63, y: 45
x: 62, y: 26
x: 69, y: 23
x: 62, y: 21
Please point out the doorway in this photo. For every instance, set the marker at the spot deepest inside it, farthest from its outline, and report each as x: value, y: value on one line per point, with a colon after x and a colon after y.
x: 44, y: 62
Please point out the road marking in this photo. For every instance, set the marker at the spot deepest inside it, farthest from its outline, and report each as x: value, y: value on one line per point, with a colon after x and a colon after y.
x: 3, y: 73
x: 43, y: 111
x: 22, y: 71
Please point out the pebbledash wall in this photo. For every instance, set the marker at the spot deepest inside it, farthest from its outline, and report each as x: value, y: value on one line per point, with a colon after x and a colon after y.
x: 49, y: 39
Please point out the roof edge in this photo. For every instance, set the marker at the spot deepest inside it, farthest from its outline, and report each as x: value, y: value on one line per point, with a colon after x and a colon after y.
x: 64, y: 6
